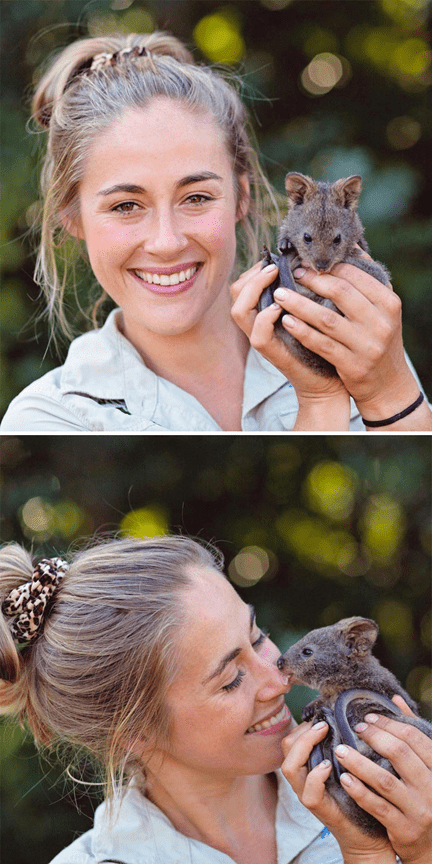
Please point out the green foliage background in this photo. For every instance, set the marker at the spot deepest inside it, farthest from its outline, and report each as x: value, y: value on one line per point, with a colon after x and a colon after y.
x: 326, y: 526
x: 375, y: 121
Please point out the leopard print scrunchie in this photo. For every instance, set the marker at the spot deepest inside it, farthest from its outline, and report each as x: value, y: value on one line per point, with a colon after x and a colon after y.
x: 28, y: 602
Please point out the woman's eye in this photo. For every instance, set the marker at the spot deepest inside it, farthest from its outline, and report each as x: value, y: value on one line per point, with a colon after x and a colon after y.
x: 197, y: 199
x: 261, y: 638
x: 125, y: 207
x: 236, y: 683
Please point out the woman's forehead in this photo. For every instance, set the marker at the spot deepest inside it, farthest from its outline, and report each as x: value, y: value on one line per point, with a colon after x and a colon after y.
x: 215, y: 621
x: 163, y: 124
x: 212, y: 608
x: 160, y: 143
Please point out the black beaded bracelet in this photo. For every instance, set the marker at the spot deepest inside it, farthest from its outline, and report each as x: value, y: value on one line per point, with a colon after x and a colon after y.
x: 409, y: 410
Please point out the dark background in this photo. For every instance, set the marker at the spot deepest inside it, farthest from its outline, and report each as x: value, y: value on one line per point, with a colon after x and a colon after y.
x: 327, y: 526
x: 375, y: 121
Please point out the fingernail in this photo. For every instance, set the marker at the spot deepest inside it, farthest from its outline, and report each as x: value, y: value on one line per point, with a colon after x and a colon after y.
x: 360, y: 727
x: 288, y: 320
x: 346, y: 779
x: 299, y: 271
x: 269, y: 267
x: 341, y: 750
x: 319, y: 725
x: 371, y: 718
x: 275, y: 306
x: 280, y: 293
x: 325, y: 763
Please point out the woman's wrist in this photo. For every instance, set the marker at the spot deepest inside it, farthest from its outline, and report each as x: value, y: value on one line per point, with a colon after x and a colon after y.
x: 324, y: 413
x: 394, y: 400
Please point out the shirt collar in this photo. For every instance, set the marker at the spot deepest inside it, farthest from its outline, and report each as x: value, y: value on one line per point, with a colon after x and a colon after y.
x: 107, y: 367
x: 142, y: 831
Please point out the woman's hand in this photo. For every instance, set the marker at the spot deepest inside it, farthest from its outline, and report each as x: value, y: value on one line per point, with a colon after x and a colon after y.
x: 403, y: 804
x: 323, y: 402
x: 356, y: 846
x: 365, y: 345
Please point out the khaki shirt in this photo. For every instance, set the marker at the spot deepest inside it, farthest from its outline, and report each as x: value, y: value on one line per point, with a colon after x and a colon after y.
x: 105, y: 386
x: 142, y: 834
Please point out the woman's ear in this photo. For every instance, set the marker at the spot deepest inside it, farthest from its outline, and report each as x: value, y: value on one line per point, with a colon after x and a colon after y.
x: 243, y: 196
x: 72, y: 225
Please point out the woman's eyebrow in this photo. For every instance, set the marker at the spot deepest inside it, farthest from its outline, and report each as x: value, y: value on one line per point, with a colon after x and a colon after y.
x: 133, y: 189
x: 232, y: 654
x: 198, y: 178
x: 123, y: 187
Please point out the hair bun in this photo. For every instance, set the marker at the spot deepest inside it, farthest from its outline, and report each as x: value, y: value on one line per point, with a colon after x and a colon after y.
x: 78, y: 57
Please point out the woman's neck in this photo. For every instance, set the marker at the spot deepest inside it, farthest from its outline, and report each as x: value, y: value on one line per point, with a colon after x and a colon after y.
x: 207, y: 361
x: 236, y: 816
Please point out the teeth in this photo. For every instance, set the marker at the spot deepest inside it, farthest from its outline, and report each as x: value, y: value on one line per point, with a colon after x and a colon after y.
x: 173, y: 279
x: 271, y: 722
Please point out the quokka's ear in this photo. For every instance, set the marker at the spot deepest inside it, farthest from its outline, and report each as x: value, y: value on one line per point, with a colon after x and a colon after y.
x: 358, y: 635
x: 299, y: 188
x: 348, y: 190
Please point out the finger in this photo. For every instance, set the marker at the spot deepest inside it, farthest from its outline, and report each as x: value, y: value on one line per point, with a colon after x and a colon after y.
x: 314, y: 789
x: 263, y: 336
x: 294, y: 734
x: 400, y: 702
x: 297, y: 749
x: 321, y: 317
x: 324, y: 345
x: 398, y: 742
x: 377, y: 805
x: 244, y: 277
x: 344, y: 284
x: 244, y: 309
x: 410, y: 767
x: 256, y: 276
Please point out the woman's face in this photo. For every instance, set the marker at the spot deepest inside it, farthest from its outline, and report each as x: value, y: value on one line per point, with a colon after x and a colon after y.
x: 228, y: 684
x: 158, y: 206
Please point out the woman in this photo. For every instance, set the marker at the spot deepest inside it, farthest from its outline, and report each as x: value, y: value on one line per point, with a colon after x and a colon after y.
x: 141, y: 652
x: 149, y: 167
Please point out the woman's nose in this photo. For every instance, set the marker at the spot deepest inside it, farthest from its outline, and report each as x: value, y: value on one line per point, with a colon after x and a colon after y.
x: 165, y: 237
x: 272, y: 682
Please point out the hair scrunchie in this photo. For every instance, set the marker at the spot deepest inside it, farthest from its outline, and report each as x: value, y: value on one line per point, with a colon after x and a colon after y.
x: 27, y: 603
x: 101, y: 61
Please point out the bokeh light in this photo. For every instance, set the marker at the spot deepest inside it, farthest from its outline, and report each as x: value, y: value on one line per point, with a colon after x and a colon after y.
x: 250, y: 565
x: 42, y: 519
x: 219, y: 38
x: 325, y: 549
x: 382, y: 526
x: 148, y: 521
x: 395, y: 622
x: 403, y: 132
x: 330, y: 489
x: 324, y: 72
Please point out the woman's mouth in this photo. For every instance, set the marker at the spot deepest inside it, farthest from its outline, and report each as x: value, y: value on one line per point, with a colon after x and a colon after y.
x: 273, y: 724
x: 168, y: 283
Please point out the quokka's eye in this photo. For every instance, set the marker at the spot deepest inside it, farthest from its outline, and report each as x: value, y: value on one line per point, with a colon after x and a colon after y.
x: 307, y: 238
x: 337, y: 240
x: 307, y: 652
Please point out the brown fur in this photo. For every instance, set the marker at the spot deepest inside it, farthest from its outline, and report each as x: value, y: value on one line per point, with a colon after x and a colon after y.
x: 321, y: 229
x: 335, y: 660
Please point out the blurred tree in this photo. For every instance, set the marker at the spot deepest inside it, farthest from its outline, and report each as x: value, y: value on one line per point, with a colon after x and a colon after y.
x: 313, y: 529
x: 334, y: 88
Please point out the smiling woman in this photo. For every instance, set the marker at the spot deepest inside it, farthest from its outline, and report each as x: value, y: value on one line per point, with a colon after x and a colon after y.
x: 149, y: 167
x: 141, y: 654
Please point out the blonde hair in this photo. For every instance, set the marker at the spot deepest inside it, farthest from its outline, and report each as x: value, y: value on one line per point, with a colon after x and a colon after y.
x: 76, y: 104
x: 97, y: 675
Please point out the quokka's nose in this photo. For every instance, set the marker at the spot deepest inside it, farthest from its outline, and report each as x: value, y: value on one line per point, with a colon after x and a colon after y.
x: 281, y: 663
x: 322, y: 265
